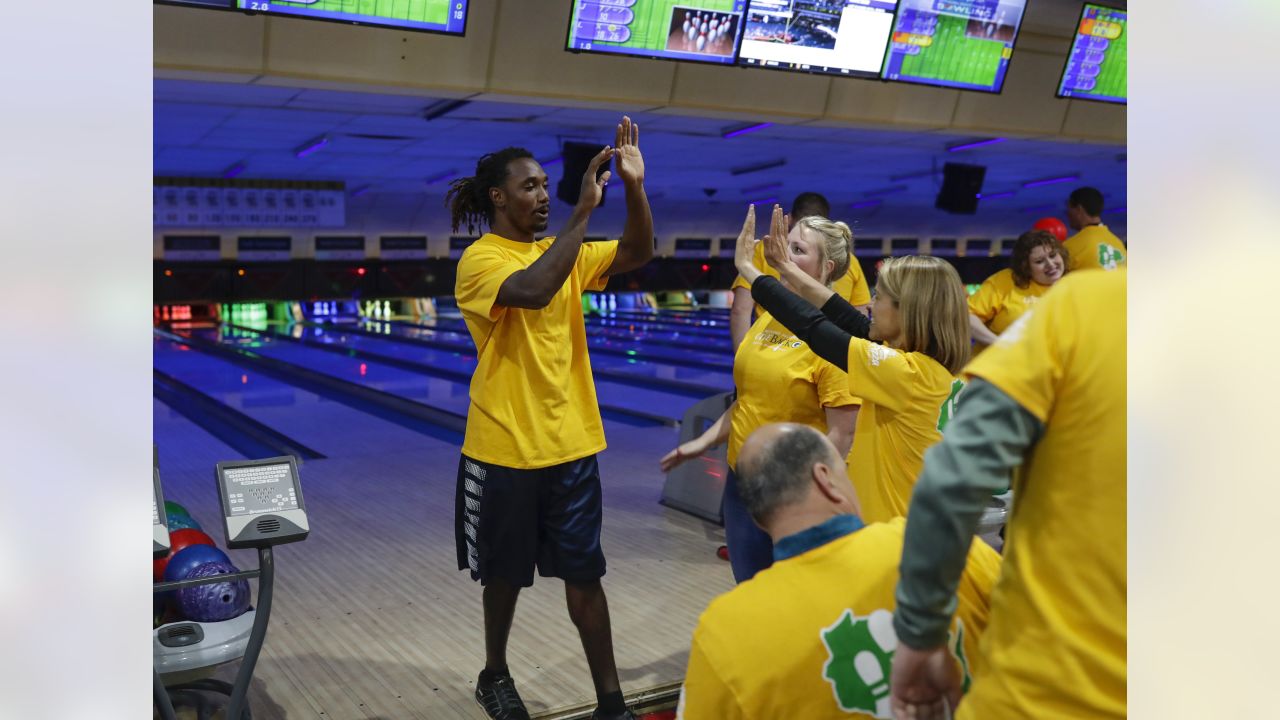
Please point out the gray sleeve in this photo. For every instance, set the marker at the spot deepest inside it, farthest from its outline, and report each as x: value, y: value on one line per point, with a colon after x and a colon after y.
x: 987, y: 439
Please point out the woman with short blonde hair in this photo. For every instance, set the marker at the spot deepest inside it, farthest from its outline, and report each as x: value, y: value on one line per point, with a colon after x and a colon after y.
x: 902, y: 362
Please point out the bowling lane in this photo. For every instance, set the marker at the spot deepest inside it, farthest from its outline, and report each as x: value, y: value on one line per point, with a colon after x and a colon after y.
x: 432, y: 391
x: 314, y: 420
x: 644, y: 364
x: 416, y: 384
x: 708, y: 353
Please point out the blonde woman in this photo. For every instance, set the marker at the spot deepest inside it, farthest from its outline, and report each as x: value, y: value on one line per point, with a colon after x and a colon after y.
x: 902, y: 362
x: 779, y: 379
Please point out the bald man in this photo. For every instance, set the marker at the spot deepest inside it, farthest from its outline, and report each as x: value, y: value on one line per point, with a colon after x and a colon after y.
x: 812, y: 636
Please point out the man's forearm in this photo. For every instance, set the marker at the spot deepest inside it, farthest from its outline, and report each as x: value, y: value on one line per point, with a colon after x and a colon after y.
x: 636, y: 243
x: 534, y: 286
x: 988, y: 438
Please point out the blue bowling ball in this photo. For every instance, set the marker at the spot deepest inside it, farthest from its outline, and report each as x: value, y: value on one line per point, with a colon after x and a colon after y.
x: 214, y: 602
x: 190, y: 558
x: 182, y: 522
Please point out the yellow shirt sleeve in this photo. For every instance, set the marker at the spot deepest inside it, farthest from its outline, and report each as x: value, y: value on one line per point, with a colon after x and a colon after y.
x: 481, y: 272
x: 1026, y: 362
x: 879, y: 374
x: 987, y: 301
x: 594, y: 259
x: 705, y: 696
x: 833, y: 385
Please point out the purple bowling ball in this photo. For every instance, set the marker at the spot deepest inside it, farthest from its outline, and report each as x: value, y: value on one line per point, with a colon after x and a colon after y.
x: 216, y: 601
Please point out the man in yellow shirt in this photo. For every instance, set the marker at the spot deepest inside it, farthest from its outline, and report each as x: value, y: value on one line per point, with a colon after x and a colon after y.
x: 812, y: 636
x: 852, y: 286
x: 1049, y: 399
x: 1093, y: 247
x: 528, y: 492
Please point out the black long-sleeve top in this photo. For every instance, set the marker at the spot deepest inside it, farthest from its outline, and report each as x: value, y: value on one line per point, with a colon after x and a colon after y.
x: 827, y: 331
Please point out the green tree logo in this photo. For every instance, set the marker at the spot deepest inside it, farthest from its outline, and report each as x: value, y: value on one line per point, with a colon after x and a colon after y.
x: 860, y: 657
x: 1109, y: 257
x: 952, y: 404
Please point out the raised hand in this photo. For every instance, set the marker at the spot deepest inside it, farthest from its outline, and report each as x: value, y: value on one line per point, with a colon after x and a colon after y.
x: 745, y: 252
x: 593, y: 187
x: 775, y: 243
x: 629, y: 161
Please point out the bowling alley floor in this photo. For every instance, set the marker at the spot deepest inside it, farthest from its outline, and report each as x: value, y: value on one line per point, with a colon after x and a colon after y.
x: 373, y: 620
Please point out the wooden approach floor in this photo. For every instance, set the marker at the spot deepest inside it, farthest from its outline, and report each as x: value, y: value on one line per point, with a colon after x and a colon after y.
x: 373, y: 620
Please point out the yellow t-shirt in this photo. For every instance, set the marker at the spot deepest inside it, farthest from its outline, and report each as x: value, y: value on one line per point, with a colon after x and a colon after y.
x: 852, y: 286
x: 1096, y: 248
x: 1057, y: 642
x: 812, y: 636
x: 779, y: 379
x: 999, y: 301
x: 533, y: 399
x: 907, y: 397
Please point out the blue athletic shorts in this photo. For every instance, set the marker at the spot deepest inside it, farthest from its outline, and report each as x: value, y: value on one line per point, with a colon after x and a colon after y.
x: 507, y: 521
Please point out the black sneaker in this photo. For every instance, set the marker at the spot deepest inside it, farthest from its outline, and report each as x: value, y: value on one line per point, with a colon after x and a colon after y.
x: 499, y: 698
x: 626, y: 715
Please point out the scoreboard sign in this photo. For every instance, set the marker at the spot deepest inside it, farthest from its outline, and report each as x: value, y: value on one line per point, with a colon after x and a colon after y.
x: 340, y: 247
x: 205, y: 203
x: 403, y: 247
x: 264, y: 249
x: 192, y: 247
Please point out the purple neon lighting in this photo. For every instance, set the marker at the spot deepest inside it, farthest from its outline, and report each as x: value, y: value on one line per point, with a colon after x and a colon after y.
x: 765, y: 201
x: 974, y: 144
x: 360, y: 191
x: 311, y: 146
x: 761, y: 188
x: 551, y: 161
x: 1051, y: 181
x: 234, y: 170
x: 996, y: 196
x: 744, y: 129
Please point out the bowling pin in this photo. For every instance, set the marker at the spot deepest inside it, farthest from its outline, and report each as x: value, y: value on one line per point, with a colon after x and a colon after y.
x: 702, y: 41
x: 386, y: 310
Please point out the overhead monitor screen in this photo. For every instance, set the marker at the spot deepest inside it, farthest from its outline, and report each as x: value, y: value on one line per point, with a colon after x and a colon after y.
x: 1098, y: 66
x: 691, y: 30
x: 964, y: 44
x: 841, y: 37
x: 442, y: 16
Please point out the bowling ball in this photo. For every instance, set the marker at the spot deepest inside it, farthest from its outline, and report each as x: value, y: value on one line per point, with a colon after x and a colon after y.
x: 1055, y: 227
x: 182, y: 522
x: 190, y: 558
x: 177, y: 541
x: 172, y: 508
x: 216, y: 601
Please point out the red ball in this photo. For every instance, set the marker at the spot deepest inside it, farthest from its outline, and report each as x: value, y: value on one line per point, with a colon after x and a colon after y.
x: 179, y: 540
x: 1054, y: 226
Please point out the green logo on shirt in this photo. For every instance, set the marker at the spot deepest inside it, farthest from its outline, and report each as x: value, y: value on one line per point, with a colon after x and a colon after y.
x: 860, y: 657
x: 952, y: 405
x: 1109, y: 257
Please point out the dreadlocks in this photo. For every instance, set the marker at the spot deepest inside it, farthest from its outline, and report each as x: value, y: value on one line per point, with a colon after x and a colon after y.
x: 468, y: 198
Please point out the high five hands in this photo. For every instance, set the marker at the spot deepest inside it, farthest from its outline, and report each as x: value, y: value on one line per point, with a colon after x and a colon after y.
x: 775, y: 244
x: 629, y: 163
